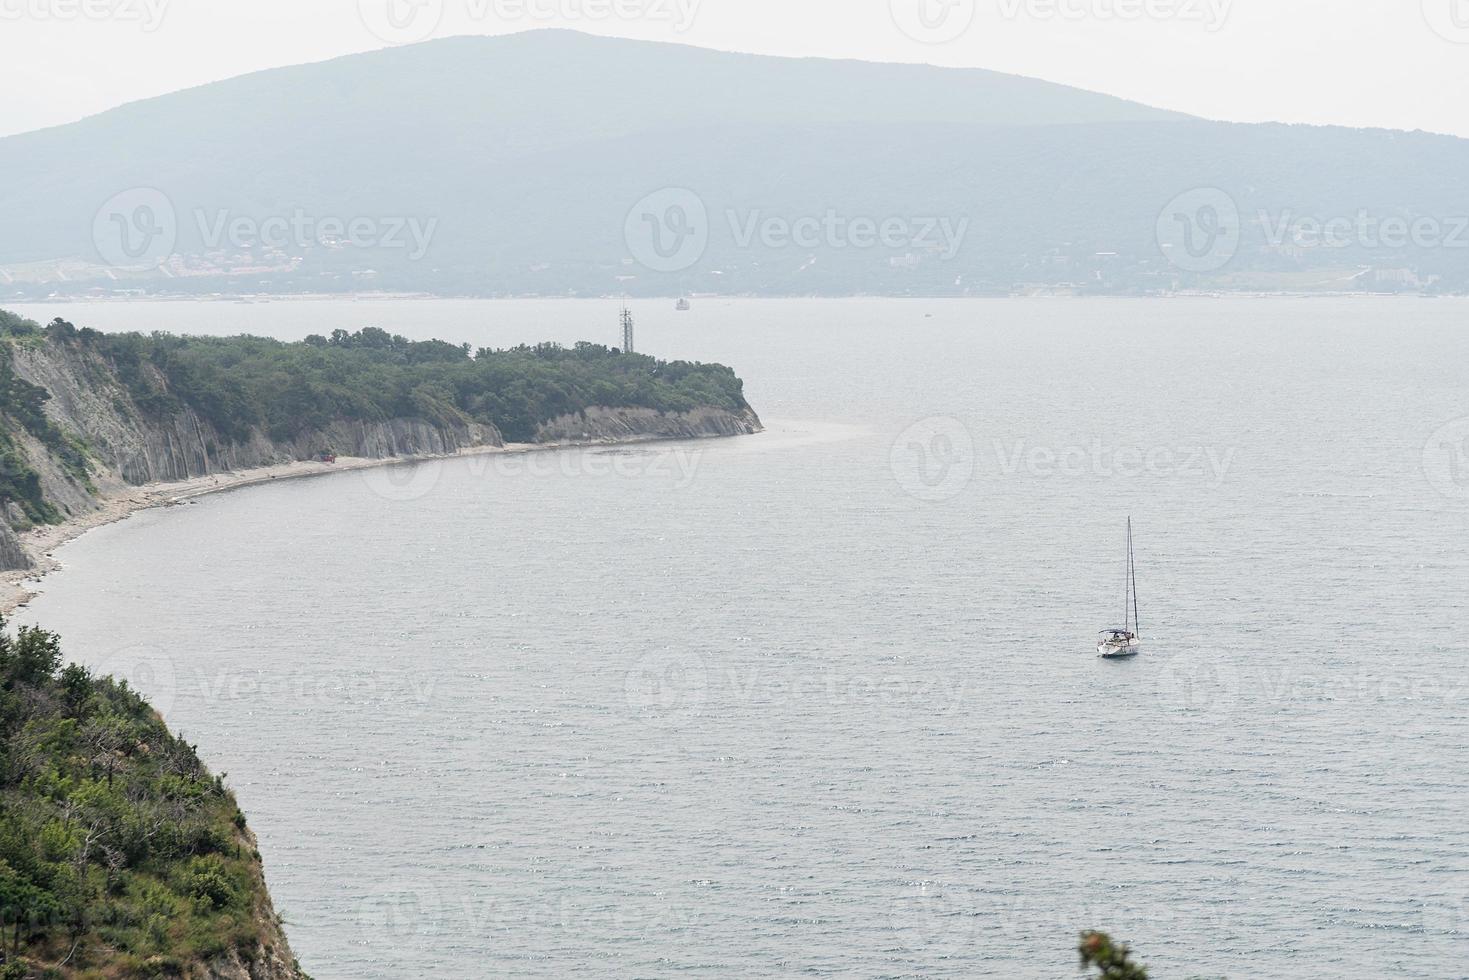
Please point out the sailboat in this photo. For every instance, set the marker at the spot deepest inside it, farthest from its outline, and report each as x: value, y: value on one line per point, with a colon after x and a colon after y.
x: 1118, y: 644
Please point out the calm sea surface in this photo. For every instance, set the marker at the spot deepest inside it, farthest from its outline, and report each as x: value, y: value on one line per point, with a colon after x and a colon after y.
x: 825, y: 701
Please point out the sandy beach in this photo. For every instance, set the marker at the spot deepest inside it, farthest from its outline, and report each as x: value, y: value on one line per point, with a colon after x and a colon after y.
x: 18, y: 588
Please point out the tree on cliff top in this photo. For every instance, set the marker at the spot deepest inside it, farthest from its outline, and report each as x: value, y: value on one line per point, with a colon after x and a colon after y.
x: 240, y: 384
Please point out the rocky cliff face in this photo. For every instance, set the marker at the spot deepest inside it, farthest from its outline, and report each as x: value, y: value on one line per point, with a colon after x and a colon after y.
x: 126, y: 447
x: 271, y: 960
x: 270, y: 965
x: 632, y: 424
x: 88, y: 401
x: 13, y: 556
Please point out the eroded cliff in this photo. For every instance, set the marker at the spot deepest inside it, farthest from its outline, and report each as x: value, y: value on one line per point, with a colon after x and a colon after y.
x: 633, y: 424
x: 96, y: 440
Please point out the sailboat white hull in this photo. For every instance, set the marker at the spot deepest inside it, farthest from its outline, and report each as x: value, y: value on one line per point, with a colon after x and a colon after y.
x: 1119, y: 650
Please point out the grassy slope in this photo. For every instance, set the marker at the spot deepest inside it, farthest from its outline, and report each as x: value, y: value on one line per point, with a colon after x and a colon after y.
x: 120, y: 855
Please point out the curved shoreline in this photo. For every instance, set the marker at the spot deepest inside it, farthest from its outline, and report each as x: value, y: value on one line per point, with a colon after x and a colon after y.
x: 17, y: 587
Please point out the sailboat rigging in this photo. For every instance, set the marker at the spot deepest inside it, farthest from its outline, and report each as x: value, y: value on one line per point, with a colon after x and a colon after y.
x: 1117, y: 644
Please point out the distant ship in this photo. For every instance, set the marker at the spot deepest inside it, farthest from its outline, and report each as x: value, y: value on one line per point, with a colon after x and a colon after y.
x: 683, y: 305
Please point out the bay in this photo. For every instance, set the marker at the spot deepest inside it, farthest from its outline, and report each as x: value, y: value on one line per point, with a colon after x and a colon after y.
x: 825, y: 700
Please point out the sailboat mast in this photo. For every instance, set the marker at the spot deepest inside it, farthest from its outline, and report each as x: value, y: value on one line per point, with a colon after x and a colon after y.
x: 1127, y: 579
x: 1132, y: 579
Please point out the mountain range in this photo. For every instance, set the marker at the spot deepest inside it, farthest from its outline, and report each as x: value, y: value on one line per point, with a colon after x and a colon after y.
x: 557, y: 163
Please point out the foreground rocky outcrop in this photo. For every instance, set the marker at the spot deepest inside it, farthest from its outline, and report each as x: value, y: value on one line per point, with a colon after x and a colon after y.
x: 269, y: 957
x: 121, y: 854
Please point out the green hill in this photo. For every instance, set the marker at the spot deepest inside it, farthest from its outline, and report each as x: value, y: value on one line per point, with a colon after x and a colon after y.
x: 85, y: 415
x: 524, y: 164
x: 120, y: 855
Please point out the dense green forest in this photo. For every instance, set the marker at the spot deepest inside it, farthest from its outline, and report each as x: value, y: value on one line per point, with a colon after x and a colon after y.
x: 248, y: 384
x: 284, y: 389
x: 120, y: 855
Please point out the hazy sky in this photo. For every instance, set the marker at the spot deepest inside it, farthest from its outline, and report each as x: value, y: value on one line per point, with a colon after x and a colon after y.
x: 1393, y: 63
